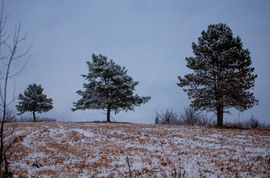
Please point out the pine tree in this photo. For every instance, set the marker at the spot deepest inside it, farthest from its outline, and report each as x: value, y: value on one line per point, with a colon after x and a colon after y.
x: 108, y: 88
x: 34, y: 101
x: 222, y: 74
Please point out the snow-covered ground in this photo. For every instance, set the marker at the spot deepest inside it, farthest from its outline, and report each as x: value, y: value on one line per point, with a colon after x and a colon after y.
x: 68, y: 149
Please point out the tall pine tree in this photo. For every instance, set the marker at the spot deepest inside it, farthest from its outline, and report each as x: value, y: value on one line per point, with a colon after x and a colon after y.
x: 222, y: 76
x: 108, y: 88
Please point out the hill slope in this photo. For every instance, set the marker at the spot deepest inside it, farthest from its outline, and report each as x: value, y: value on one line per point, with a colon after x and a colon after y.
x: 106, y: 149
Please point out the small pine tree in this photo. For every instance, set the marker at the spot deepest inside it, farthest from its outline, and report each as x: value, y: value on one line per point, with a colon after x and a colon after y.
x: 222, y: 74
x: 34, y: 101
x: 108, y: 88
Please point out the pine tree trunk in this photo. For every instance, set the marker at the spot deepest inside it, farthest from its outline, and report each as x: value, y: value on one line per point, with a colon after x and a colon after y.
x: 34, y: 115
x: 109, y: 113
x: 220, y: 116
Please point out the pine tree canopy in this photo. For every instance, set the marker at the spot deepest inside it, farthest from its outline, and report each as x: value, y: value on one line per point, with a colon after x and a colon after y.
x: 33, y: 100
x: 108, y: 87
x: 222, y: 76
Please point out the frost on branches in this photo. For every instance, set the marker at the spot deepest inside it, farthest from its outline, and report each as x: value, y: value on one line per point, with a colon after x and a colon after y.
x: 108, y: 88
x: 222, y: 76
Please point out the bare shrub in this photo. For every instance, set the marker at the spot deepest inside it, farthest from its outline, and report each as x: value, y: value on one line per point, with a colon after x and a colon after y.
x: 10, y: 116
x: 263, y: 125
x: 190, y: 117
x: 204, y: 120
x: 253, y: 122
x: 167, y: 117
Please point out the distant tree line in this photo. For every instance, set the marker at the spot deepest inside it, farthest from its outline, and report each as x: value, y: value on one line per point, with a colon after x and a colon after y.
x: 189, y: 117
x: 13, y: 117
x: 192, y: 117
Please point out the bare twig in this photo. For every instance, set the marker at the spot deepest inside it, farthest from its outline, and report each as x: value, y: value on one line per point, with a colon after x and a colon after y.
x: 130, y: 173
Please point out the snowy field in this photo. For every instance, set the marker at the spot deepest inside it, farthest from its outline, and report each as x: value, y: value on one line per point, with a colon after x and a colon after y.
x: 59, y: 149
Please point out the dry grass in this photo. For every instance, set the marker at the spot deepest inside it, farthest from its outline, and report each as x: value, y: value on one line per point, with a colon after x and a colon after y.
x: 101, y: 150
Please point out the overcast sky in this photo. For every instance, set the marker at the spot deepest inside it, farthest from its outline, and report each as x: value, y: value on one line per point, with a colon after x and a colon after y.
x: 151, y: 38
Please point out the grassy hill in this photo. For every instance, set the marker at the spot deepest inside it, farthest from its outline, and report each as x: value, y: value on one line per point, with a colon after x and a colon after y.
x: 122, y: 149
